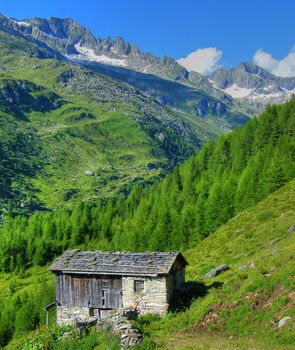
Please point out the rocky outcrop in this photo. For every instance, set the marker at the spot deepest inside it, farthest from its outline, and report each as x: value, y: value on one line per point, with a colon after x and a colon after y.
x: 19, y: 96
x: 251, y: 83
x: 216, y: 271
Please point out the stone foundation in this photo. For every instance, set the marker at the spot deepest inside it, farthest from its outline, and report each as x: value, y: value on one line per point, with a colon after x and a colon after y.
x: 70, y: 315
x: 152, y: 300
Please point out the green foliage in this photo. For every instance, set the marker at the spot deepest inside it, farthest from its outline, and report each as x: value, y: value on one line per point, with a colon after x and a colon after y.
x: 59, y: 121
x: 250, y: 302
x: 22, y: 301
x: 52, y: 339
x: 226, y: 177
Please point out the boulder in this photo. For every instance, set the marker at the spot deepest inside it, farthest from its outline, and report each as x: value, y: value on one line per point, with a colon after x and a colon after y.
x: 216, y: 271
x: 67, y: 335
x: 284, y: 321
x: 245, y: 266
x: 291, y: 230
x: 89, y: 173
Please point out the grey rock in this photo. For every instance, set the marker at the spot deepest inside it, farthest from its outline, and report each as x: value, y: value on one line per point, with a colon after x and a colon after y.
x: 120, y: 323
x: 67, y: 335
x: 243, y: 267
x: 216, y: 271
x: 291, y: 230
x: 269, y: 244
x: 89, y: 173
x: 284, y: 321
x: 265, y: 86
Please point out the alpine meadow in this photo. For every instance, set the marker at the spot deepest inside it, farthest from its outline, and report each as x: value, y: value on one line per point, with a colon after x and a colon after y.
x: 106, y: 149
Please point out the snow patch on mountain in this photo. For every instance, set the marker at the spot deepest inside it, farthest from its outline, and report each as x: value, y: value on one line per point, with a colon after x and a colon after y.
x: 21, y: 23
x: 237, y: 92
x: 263, y: 95
x: 89, y: 55
x: 273, y: 97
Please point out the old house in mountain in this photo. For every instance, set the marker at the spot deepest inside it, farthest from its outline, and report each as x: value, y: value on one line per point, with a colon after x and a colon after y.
x: 92, y: 283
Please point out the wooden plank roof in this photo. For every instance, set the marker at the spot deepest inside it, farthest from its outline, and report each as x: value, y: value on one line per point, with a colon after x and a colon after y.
x: 117, y: 263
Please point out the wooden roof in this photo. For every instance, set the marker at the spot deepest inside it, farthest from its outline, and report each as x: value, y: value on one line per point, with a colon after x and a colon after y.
x: 117, y: 263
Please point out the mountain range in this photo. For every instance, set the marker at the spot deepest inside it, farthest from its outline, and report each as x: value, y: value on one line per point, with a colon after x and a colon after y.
x: 145, y: 114
x: 248, y: 83
x: 105, y: 147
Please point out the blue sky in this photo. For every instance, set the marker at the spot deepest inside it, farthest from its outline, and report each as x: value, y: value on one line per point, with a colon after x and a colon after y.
x: 236, y: 28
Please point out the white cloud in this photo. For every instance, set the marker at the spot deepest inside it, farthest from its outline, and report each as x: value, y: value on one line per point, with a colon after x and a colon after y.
x: 283, y: 68
x: 203, y: 61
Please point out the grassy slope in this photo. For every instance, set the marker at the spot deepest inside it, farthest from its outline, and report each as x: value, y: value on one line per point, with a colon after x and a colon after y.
x: 248, y: 303
x: 241, y: 313
x: 110, y: 143
x: 130, y: 136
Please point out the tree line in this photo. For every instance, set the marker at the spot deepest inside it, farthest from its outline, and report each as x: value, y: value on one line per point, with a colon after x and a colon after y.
x: 226, y: 176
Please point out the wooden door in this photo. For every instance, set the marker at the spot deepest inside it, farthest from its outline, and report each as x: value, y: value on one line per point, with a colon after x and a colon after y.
x: 111, y: 293
x: 89, y: 291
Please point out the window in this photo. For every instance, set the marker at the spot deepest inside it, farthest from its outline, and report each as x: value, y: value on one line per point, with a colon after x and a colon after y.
x: 105, y: 284
x: 138, y: 286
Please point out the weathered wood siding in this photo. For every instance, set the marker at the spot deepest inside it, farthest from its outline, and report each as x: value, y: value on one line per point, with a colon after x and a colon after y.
x: 89, y: 291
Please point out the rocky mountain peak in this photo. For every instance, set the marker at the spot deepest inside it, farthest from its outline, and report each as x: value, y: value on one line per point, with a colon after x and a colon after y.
x: 252, y: 83
x: 248, y: 67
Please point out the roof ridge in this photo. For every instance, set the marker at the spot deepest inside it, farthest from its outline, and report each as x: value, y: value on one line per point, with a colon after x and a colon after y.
x: 116, y: 262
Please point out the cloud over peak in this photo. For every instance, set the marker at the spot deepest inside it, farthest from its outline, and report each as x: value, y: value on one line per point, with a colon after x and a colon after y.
x: 283, y: 68
x: 203, y: 61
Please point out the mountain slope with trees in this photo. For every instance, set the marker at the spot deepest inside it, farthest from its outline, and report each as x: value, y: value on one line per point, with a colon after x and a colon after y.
x: 227, y: 176
x: 84, y: 133
x: 239, y: 307
x: 69, y: 133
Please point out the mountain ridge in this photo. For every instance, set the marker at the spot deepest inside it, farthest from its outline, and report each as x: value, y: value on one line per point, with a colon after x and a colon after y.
x: 250, y: 83
x: 248, y: 87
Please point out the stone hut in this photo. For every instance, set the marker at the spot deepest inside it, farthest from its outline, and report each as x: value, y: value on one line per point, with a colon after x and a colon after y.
x: 93, y: 283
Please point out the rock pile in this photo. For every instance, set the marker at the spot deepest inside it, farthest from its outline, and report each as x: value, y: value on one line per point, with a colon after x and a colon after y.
x: 120, y: 323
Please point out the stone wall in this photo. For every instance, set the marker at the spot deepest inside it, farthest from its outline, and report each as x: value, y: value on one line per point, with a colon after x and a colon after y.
x: 69, y: 315
x: 174, y: 281
x: 152, y: 300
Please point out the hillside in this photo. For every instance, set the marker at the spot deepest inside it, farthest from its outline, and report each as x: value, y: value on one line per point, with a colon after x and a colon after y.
x: 247, y: 88
x: 241, y: 306
x: 226, y: 176
x: 178, y: 212
x: 74, y: 131
x: 68, y: 40
x: 69, y: 133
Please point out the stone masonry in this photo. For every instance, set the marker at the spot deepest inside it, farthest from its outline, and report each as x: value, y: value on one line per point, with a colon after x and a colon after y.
x: 89, y: 285
x: 69, y: 315
x: 152, y: 300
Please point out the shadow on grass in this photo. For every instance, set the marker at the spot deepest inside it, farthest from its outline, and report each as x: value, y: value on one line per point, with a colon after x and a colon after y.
x: 188, y: 292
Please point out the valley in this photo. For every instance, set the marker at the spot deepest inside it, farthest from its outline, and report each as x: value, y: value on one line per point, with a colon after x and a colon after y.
x: 105, y: 147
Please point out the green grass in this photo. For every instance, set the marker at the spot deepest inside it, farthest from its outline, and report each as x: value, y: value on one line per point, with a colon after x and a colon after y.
x: 91, y: 124
x: 241, y: 308
x: 240, y: 304
x: 82, y: 120
x: 51, y: 339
